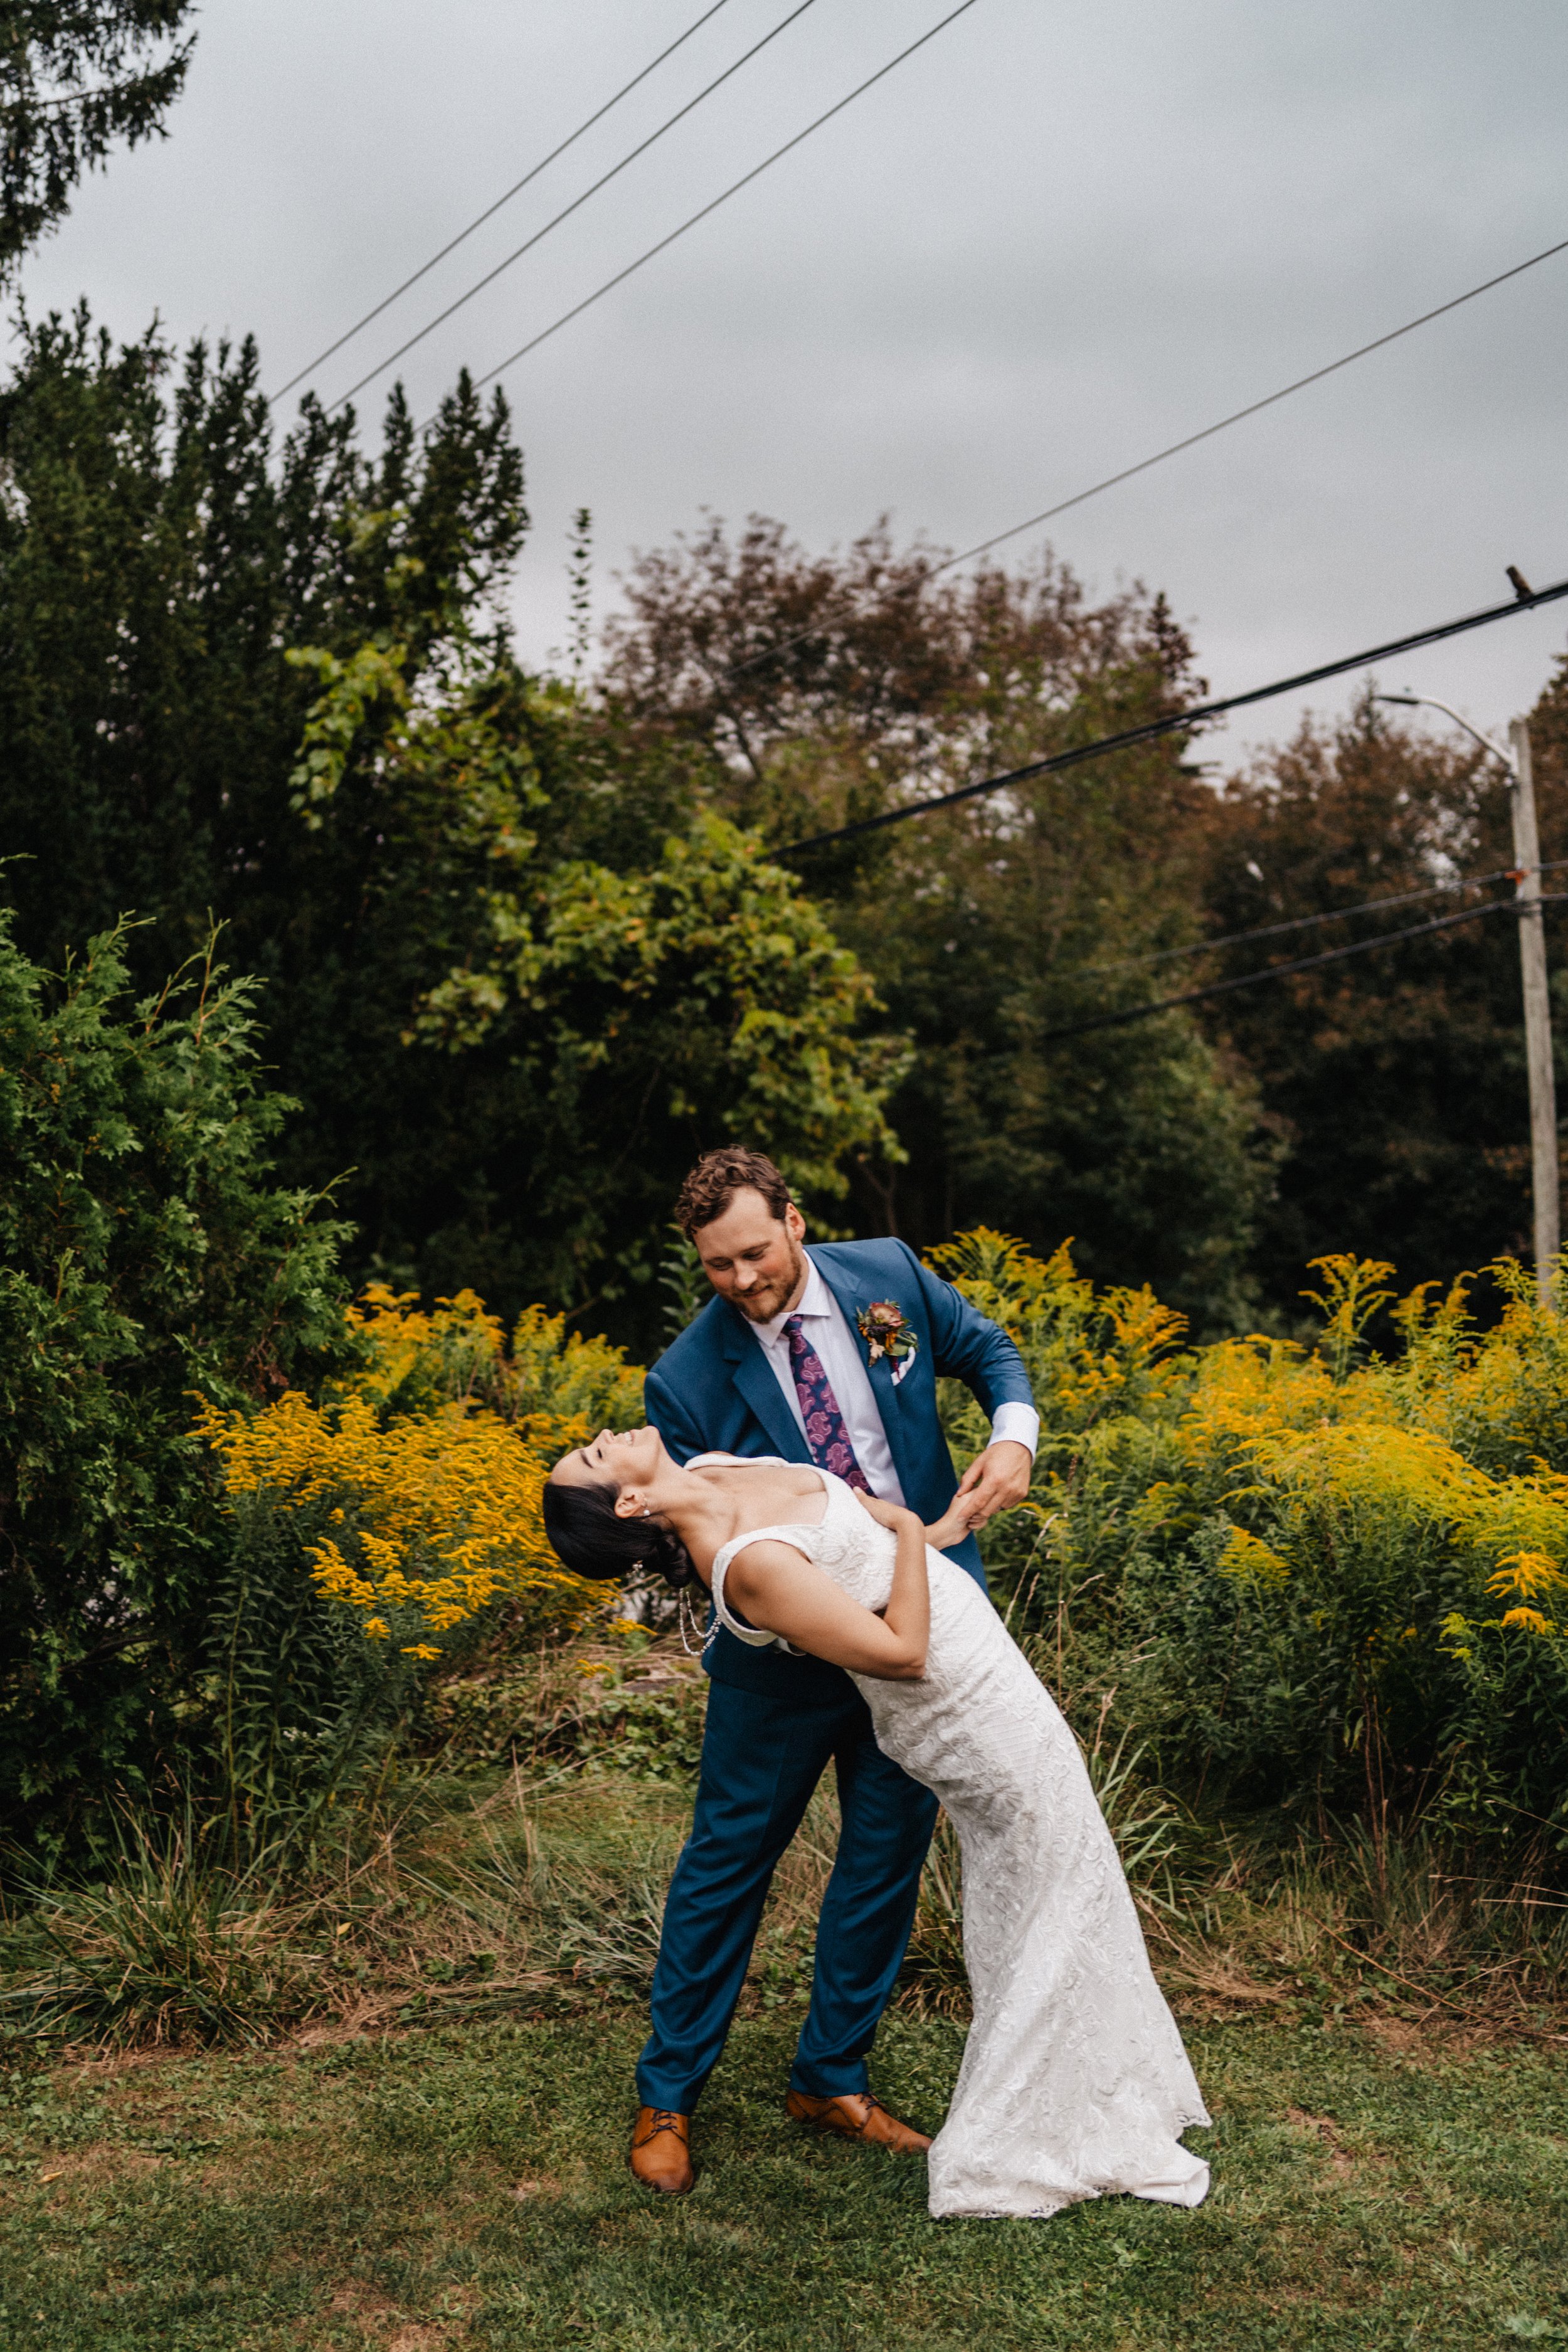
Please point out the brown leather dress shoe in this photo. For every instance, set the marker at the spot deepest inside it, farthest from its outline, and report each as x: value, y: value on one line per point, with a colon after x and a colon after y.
x: 661, y: 2151
x: 855, y: 2115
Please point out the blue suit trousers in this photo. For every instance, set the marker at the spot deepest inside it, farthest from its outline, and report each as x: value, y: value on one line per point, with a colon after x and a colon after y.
x: 762, y: 1757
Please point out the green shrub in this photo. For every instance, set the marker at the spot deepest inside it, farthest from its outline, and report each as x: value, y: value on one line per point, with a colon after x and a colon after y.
x: 1308, y: 1577
x: 144, y: 1254
x: 295, y: 1720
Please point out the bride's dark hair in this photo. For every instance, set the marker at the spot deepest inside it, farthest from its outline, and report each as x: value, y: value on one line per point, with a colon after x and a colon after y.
x: 587, y: 1537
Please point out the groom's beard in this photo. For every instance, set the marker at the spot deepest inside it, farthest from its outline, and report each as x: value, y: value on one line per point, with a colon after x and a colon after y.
x: 760, y: 1305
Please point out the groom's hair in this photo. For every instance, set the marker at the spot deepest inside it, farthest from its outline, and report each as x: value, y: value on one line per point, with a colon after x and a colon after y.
x: 718, y: 1177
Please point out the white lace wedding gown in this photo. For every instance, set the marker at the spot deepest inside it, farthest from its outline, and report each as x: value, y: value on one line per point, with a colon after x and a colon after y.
x: 1074, y: 2081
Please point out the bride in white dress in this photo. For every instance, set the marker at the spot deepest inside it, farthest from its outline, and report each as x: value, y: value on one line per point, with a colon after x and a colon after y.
x: 1074, y: 2081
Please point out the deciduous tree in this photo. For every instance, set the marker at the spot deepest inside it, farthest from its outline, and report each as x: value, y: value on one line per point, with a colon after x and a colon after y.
x: 830, y: 688
x: 1395, y: 1081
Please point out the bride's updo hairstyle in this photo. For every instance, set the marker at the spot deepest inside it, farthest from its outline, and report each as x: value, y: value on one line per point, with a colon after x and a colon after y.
x: 587, y: 1537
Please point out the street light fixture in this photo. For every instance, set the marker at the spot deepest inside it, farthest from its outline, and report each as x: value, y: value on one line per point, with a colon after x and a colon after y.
x: 1532, y: 971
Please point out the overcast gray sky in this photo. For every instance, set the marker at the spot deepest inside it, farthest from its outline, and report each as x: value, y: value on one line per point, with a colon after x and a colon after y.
x: 1056, y: 239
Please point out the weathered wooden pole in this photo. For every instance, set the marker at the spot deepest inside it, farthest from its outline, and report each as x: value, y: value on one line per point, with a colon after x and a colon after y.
x: 1537, y: 1016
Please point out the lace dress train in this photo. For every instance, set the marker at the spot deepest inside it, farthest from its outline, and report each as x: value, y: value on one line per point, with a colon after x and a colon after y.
x: 1074, y: 2083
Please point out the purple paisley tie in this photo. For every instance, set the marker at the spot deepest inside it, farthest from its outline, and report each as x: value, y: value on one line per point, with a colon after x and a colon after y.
x: 824, y: 1431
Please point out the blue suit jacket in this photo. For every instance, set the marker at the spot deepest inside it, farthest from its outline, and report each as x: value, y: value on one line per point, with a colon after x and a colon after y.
x: 714, y: 1391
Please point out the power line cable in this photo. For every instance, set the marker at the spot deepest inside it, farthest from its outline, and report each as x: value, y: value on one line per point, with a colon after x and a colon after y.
x: 1254, y: 408
x: 1178, y: 722
x: 1190, y: 441
x: 1309, y: 922
x: 515, y: 190
x: 575, y: 206
x: 1301, y: 963
x: 732, y: 190
x: 1296, y: 923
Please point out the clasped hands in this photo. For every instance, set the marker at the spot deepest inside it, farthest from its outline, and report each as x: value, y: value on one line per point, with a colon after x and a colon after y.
x: 996, y: 1480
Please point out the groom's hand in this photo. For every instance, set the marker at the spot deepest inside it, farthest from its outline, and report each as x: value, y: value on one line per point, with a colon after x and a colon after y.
x: 996, y: 1480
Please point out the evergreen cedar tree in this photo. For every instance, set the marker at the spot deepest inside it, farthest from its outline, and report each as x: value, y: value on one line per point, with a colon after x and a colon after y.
x: 146, y: 1251
x: 76, y: 79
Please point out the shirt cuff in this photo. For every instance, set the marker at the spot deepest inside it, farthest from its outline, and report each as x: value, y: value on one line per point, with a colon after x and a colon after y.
x: 1018, y: 1424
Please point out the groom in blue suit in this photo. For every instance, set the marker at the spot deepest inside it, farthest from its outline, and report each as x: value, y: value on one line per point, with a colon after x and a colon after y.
x: 828, y: 1355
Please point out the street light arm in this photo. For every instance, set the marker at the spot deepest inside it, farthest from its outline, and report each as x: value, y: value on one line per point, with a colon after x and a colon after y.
x: 1430, y: 702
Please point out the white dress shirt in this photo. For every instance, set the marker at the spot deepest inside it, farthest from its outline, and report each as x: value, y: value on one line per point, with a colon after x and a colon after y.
x: 822, y: 1319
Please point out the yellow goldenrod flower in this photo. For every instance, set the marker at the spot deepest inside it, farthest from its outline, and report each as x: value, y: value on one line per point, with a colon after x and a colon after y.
x: 1529, y: 1619
x: 1527, y: 1573
x: 1250, y: 1560
x: 433, y: 1499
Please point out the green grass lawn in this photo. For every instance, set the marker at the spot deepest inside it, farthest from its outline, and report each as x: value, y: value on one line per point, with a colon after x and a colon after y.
x: 468, y: 2185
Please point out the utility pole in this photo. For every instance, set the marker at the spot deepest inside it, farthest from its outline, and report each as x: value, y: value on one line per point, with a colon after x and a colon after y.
x: 1537, y: 1014
x: 1543, y: 1176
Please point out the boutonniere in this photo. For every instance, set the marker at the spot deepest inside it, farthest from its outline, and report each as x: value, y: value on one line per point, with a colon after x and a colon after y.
x: 885, y: 1329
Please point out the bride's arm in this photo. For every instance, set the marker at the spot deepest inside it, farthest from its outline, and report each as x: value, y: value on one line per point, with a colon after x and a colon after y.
x: 782, y: 1591
x: 951, y: 1528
